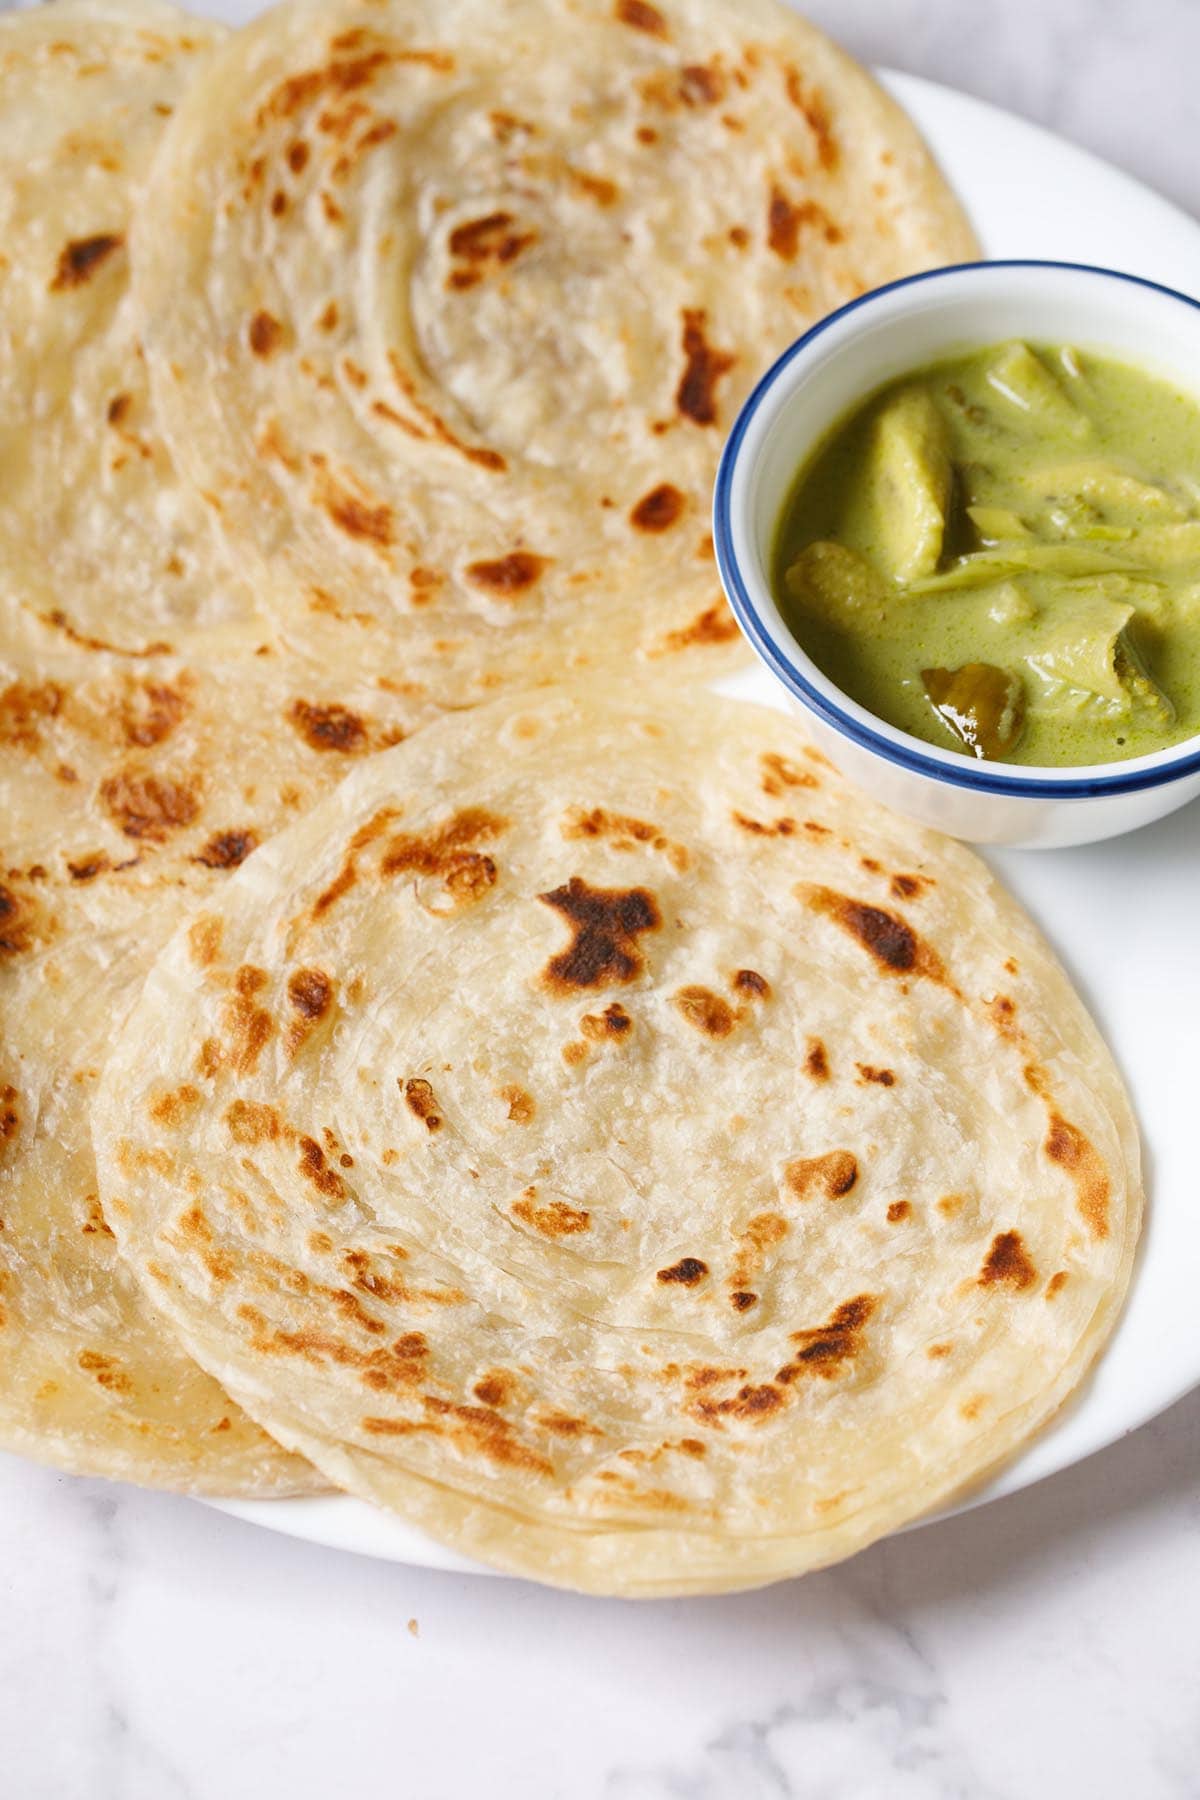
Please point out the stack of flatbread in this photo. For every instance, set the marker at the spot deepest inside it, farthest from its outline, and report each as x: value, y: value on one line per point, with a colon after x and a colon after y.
x: 445, y: 1053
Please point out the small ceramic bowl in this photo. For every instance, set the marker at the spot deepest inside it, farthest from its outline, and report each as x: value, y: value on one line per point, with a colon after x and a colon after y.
x: 815, y: 384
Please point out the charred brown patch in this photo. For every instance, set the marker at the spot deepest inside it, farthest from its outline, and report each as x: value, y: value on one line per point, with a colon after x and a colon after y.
x: 329, y: 727
x: 787, y: 220
x: 749, y: 981
x: 358, y: 518
x: 1003, y: 1013
x: 313, y: 1167
x: 816, y: 1061
x: 171, y: 1108
x: 264, y: 333
x: 497, y: 1387
x: 553, y: 1219
x: 106, y: 1370
x: 487, y: 1434
x: 613, y: 1022
x: 148, y: 807
x: 705, y: 1011
x: 825, y: 1350
x: 447, y: 851
x: 484, y: 245
x: 94, y: 1222
x: 507, y: 575
x: 420, y: 1101
x: 24, y: 711
x: 89, y: 867
x: 226, y: 849
x: 704, y: 367
x: 898, y: 1211
x: 10, y: 1116
x: 715, y: 625
x: 688, y: 1271
x: 204, y: 940
x: 1072, y: 1151
x: 16, y: 934
x: 251, y: 1122
x: 521, y: 1104
x: 752, y: 1403
x: 702, y: 84
x: 1007, y: 1263
x: 606, y: 924
x: 783, y: 827
x: 1056, y: 1284
x: 868, y: 1073
x: 831, y: 1176
x: 622, y: 832
x: 891, y: 941
x: 310, y: 992
x: 742, y: 1300
x: 118, y: 409
x: 909, y: 887
x: 658, y: 510
x: 641, y: 16
x: 250, y: 1030
x: 779, y: 774
x: 812, y: 106
x: 80, y: 259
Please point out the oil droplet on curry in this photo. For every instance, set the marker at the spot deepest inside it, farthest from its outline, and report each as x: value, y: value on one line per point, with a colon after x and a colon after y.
x: 1001, y: 554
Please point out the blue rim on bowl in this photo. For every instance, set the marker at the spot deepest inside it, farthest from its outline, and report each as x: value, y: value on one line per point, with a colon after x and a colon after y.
x: 898, y: 746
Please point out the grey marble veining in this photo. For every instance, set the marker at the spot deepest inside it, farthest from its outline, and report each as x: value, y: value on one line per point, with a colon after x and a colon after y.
x: 151, y: 1649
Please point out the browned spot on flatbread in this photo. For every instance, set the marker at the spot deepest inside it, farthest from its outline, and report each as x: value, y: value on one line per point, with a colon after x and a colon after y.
x: 824, y: 1350
x: 310, y: 991
x: 16, y: 934
x: 312, y: 1165
x: 507, y: 575
x: 420, y: 1100
x: 487, y: 1434
x: 486, y: 243
x: 910, y: 887
x: 171, y: 1108
x: 553, y: 1218
x: 749, y: 981
x: 252, y: 1122
x: 816, y: 1061
x: 788, y: 219
x: 868, y: 1073
x: 779, y: 774
x: 622, y: 832
x: 1056, y: 1284
x: 1007, y: 1262
x: 898, y: 1211
x: 812, y: 105
x: 892, y: 942
x: 226, y: 849
x: 148, y: 807
x: 372, y: 524
x: 95, y: 1224
x: 832, y: 1175
x: 10, y: 1116
x: 715, y: 625
x: 688, y: 1271
x: 742, y: 1300
x: 613, y: 1022
x: 446, y: 851
x: 79, y: 260
x: 496, y: 1387
x: 521, y: 1104
x: 106, y: 1370
x: 264, y: 333
x: 1077, y: 1155
x: 642, y: 17
x: 750, y: 1403
x: 782, y: 827
x: 204, y: 939
x: 89, y: 867
x: 250, y: 1028
x: 704, y: 367
x: 150, y: 711
x: 605, y: 924
x: 705, y: 1011
x: 330, y: 727
x: 659, y: 509
x: 24, y: 710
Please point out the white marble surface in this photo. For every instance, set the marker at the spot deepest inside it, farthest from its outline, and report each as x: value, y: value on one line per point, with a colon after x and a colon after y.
x: 151, y: 1649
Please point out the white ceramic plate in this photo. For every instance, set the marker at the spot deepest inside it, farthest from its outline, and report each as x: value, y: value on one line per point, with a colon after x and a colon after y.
x: 1122, y: 915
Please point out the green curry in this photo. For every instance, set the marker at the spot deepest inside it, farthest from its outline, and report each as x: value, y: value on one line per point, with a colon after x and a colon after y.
x: 1001, y: 555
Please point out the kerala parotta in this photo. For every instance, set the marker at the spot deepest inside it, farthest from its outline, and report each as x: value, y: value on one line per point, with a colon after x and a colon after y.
x: 448, y: 304
x: 96, y: 534
x: 602, y: 1135
x: 128, y: 789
